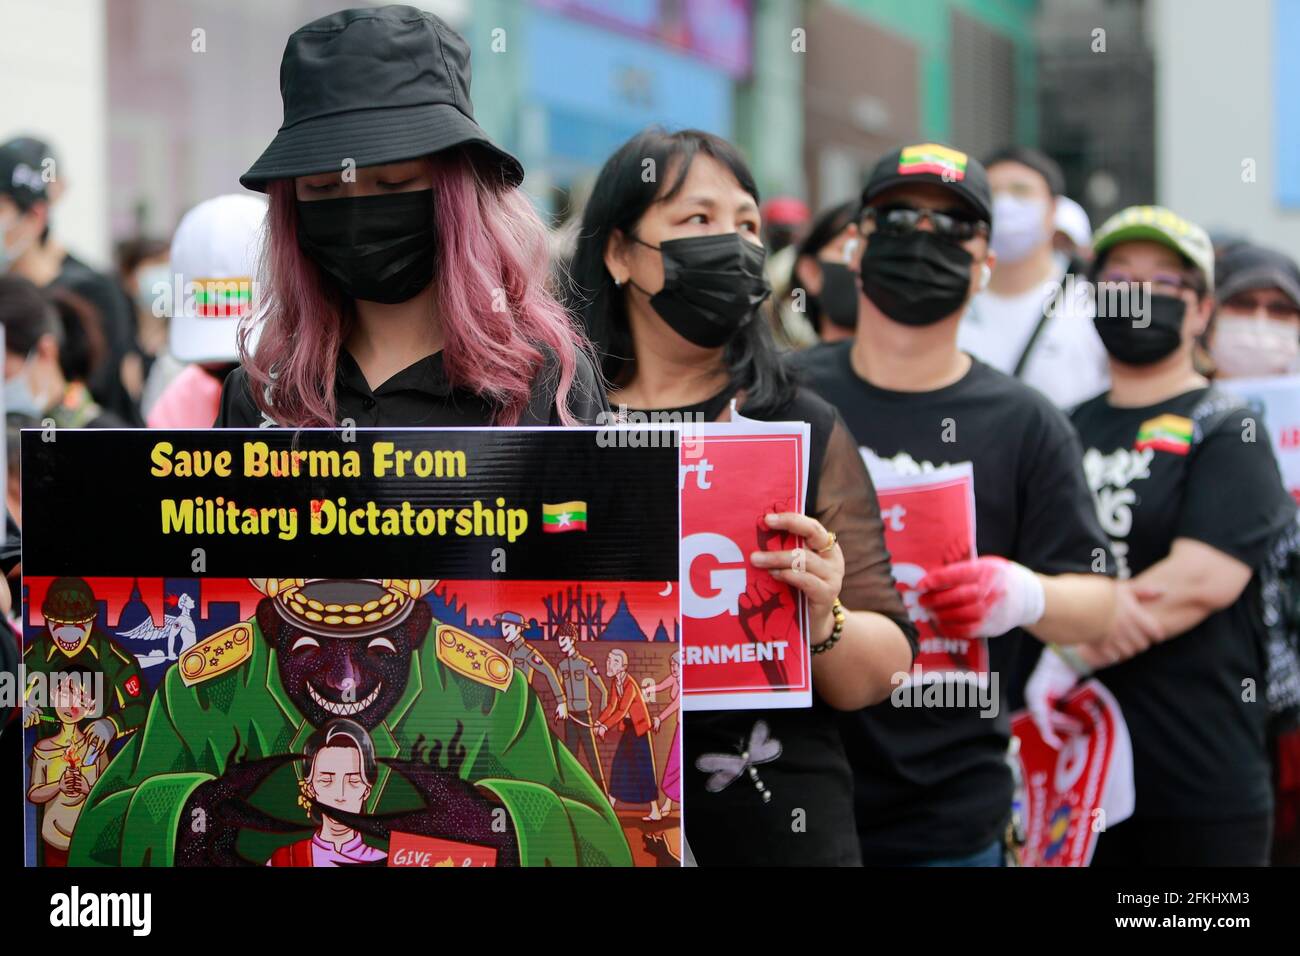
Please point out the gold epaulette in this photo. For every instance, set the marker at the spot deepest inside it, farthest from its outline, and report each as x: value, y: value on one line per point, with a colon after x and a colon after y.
x: 471, y: 657
x: 222, y: 652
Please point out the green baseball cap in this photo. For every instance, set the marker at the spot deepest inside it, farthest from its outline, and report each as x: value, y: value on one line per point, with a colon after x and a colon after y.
x: 1158, y: 224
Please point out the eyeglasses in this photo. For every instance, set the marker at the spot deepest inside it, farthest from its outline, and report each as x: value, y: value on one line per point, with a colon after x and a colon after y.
x: 1162, y: 283
x: 1283, y: 309
x: 901, y: 220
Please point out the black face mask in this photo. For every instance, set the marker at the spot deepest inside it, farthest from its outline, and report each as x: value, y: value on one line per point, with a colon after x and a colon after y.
x: 1138, y: 346
x: 713, y: 286
x: 917, y: 278
x: 378, y: 248
x: 838, y: 299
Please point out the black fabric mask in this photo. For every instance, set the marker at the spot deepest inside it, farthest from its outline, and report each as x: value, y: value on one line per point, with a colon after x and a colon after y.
x: 1139, y: 346
x: 917, y: 278
x: 378, y: 248
x: 713, y: 286
x: 838, y: 300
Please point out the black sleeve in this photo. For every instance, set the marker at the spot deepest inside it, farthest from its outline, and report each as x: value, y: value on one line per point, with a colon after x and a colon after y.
x: 1059, y: 532
x: 1234, y: 499
x: 237, y: 408
x: 846, y: 503
x: 587, y: 398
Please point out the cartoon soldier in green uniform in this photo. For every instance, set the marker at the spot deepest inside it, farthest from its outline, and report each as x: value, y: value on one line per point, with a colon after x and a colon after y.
x: 464, y: 752
x: 71, y: 637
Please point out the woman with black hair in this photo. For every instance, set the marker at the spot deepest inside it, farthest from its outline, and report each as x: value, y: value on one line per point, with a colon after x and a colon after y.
x: 668, y: 275
x: 821, y: 273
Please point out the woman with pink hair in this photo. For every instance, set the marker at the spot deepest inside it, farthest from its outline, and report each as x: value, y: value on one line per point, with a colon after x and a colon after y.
x: 403, y: 273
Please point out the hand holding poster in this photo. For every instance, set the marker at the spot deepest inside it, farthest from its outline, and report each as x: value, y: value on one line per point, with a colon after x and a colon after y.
x: 929, y: 520
x: 455, y: 675
x: 744, y: 633
x: 1072, y: 794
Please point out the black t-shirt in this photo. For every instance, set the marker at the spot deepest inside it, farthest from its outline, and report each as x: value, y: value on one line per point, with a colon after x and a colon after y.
x: 933, y: 782
x: 421, y: 395
x: 809, y: 819
x: 1181, y: 469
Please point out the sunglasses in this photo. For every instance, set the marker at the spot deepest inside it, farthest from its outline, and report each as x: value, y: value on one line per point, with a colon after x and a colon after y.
x: 901, y: 220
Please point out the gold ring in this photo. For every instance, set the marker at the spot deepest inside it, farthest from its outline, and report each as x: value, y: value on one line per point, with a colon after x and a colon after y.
x: 830, y: 545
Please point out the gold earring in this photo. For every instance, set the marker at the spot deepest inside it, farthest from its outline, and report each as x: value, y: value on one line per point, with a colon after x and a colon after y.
x: 304, y: 796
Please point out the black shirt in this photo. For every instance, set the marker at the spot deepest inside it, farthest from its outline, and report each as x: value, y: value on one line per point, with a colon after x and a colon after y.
x: 809, y: 819
x: 1181, y: 469
x: 933, y: 782
x: 422, y: 395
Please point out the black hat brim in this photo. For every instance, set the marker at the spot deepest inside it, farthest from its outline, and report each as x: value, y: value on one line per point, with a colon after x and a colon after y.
x: 373, y: 137
x: 967, y: 195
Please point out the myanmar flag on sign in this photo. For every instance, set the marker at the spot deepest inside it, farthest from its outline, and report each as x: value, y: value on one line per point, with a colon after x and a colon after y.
x: 1171, y: 433
x: 566, y: 516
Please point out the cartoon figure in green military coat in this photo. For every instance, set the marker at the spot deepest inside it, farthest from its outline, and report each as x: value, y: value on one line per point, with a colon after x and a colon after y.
x: 463, y: 747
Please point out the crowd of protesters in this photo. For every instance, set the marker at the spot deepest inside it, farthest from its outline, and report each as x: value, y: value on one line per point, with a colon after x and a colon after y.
x: 946, y: 289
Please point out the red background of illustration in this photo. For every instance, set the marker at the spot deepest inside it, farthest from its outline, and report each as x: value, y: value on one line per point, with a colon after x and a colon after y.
x: 752, y: 476
x: 483, y: 598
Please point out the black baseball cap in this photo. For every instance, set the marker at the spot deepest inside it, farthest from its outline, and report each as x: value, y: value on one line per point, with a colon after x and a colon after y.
x: 22, y: 171
x: 374, y: 85
x: 1244, y: 266
x: 955, y: 171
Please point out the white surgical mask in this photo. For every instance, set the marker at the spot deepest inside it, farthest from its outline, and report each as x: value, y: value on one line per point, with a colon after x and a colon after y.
x: 1019, y: 227
x: 20, y: 397
x: 148, y: 280
x: 1246, y: 347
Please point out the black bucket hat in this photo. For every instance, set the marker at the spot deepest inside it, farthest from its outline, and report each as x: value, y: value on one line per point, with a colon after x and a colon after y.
x: 374, y: 85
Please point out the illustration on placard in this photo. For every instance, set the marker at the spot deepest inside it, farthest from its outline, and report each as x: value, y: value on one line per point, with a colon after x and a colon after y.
x: 351, y: 722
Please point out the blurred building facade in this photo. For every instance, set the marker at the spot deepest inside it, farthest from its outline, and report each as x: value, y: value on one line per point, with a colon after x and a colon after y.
x: 1227, y: 130
x: 1097, y: 74
x: 169, y: 100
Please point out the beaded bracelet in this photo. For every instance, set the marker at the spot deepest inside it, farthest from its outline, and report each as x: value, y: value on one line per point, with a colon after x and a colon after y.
x: 837, y: 609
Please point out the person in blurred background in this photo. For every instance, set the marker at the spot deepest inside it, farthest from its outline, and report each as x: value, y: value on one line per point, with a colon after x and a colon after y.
x: 1253, y: 348
x: 405, y: 274
x: 823, y: 282
x: 1193, y: 509
x: 669, y: 278
x: 785, y: 220
x: 29, y: 186
x: 933, y: 786
x: 213, y: 255
x: 1073, y: 237
x: 1255, y: 329
x: 50, y: 342
x: 143, y: 274
x: 1030, y: 322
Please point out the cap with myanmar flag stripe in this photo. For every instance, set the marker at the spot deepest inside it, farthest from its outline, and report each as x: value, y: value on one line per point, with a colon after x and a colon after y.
x: 565, y: 516
x: 936, y: 163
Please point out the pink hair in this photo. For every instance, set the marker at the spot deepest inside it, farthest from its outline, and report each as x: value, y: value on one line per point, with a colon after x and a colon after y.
x: 489, y: 287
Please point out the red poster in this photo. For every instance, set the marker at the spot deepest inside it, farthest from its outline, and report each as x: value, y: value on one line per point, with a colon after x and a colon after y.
x: 929, y: 522
x: 1072, y: 794
x: 744, y: 633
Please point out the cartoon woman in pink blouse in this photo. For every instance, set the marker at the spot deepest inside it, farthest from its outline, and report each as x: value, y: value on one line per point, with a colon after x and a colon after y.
x: 672, y: 779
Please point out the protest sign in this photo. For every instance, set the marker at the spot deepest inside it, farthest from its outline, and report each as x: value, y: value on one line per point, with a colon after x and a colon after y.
x: 929, y: 520
x: 1072, y: 794
x: 410, y: 698
x: 744, y: 633
x: 1277, y: 400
